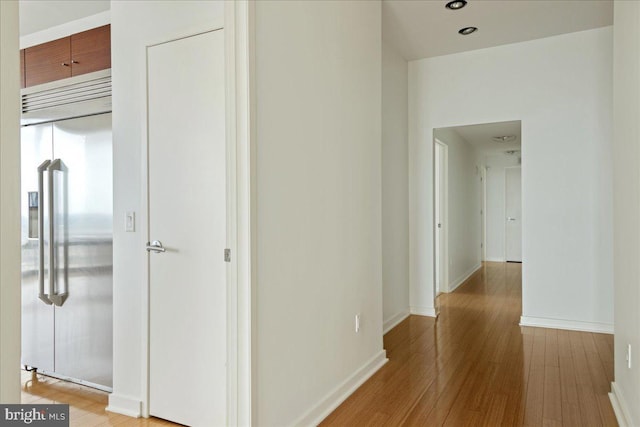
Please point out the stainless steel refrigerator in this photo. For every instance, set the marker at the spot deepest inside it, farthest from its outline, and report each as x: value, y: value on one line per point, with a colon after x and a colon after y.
x: 67, y: 227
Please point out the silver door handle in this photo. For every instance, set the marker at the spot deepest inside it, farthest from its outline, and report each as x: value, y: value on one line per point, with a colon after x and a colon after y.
x: 155, y: 246
x: 55, y: 297
x: 44, y: 297
x: 511, y: 219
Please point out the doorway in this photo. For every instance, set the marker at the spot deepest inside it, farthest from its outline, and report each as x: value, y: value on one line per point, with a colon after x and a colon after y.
x: 513, y: 214
x: 187, y: 182
x: 469, y: 199
x: 440, y: 216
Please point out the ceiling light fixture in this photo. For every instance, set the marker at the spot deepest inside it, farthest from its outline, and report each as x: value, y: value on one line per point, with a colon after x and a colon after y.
x: 504, y: 138
x: 456, y: 4
x: 467, y: 30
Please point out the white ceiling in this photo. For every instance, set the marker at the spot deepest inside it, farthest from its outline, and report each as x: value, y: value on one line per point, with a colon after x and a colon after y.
x: 479, y: 136
x: 37, y: 15
x: 425, y: 28
x: 418, y: 28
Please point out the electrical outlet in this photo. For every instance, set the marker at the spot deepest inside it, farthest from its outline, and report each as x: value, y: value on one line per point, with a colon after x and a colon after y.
x: 629, y: 356
x: 357, y: 322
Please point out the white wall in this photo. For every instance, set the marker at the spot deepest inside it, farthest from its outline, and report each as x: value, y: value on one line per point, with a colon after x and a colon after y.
x: 10, y: 204
x: 135, y: 25
x: 463, y: 215
x: 495, y: 204
x: 395, y: 188
x: 626, y: 160
x: 560, y: 87
x: 318, y: 94
x: 65, y: 29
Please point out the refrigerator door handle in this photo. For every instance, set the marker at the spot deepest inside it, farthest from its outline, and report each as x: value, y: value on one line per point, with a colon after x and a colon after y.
x: 44, y: 297
x: 55, y: 297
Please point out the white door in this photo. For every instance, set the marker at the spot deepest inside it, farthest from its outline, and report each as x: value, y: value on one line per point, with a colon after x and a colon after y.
x: 187, y: 215
x: 513, y: 210
x: 440, y: 174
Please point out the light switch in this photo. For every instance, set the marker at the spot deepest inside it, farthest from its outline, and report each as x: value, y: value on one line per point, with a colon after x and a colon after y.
x: 130, y: 222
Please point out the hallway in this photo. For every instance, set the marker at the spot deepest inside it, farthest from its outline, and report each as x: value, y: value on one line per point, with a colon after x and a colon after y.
x: 476, y: 366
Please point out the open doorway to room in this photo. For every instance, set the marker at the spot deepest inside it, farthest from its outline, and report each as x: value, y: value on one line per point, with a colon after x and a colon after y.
x: 440, y: 174
x: 513, y: 213
x: 477, y: 200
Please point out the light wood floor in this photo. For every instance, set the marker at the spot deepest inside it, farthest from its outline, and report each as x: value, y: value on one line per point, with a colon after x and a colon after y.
x: 475, y: 366
x: 86, y: 405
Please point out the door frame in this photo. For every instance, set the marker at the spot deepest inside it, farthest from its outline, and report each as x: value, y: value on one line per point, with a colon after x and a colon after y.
x: 483, y: 214
x: 10, y: 289
x: 240, y: 136
x: 445, y: 228
x: 504, y: 216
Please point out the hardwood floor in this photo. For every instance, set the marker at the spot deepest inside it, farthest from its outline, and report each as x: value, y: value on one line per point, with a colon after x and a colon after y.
x: 475, y: 366
x: 86, y: 405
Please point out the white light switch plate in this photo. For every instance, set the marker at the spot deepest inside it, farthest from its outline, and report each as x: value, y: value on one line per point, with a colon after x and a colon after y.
x: 130, y: 222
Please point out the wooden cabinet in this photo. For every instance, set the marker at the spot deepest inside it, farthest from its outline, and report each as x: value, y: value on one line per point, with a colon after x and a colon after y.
x: 91, y: 50
x: 77, y: 54
x: 48, y: 61
x: 22, y: 82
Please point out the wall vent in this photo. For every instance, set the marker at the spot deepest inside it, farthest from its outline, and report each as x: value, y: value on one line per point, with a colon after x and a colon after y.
x: 83, y: 95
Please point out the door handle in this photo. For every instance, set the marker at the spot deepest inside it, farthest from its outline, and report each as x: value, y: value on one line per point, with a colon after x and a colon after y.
x: 155, y: 246
x: 55, y: 297
x: 511, y: 219
x: 44, y: 297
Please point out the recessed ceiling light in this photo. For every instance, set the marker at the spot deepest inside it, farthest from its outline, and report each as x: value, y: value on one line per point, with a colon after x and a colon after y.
x: 504, y: 138
x: 456, y: 4
x: 467, y: 30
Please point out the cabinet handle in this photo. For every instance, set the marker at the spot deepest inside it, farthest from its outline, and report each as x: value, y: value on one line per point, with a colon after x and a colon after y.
x: 74, y: 62
x: 64, y: 64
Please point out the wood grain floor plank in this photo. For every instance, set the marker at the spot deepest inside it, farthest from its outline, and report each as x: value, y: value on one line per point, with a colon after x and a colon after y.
x: 552, y: 395
x: 586, y: 393
x: 570, y: 402
x: 605, y: 354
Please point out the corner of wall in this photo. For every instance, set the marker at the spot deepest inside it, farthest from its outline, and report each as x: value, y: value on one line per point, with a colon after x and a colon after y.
x: 124, y: 405
x: 620, y: 407
x: 395, y: 320
x: 462, y: 279
x: 335, y: 397
x: 424, y: 311
x: 10, y: 205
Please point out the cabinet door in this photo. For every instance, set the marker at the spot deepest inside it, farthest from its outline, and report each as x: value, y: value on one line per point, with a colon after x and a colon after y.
x: 48, y: 61
x: 91, y: 50
x: 22, y: 82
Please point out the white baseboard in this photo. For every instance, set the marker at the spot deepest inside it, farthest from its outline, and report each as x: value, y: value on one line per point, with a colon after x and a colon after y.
x: 124, y: 405
x: 394, y: 320
x: 620, y: 407
x: 331, y: 401
x: 495, y: 260
x: 570, y: 325
x: 423, y: 311
x: 463, y: 278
